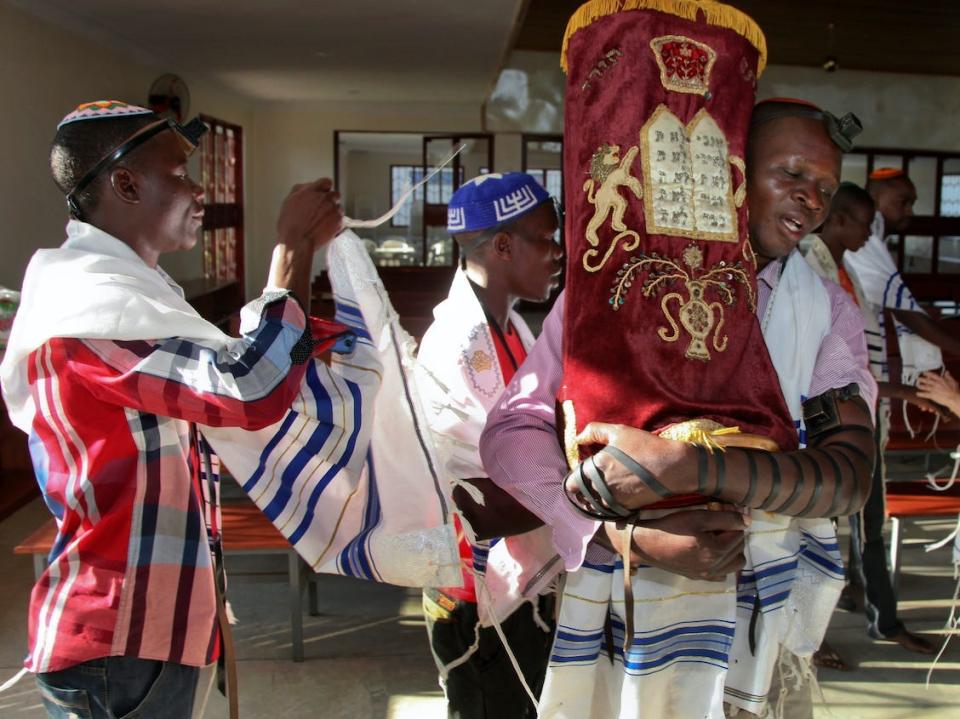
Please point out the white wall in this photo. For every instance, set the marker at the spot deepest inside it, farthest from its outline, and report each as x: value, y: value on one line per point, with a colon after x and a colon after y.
x: 911, y: 111
x: 897, y: 110
x: 44, y: 73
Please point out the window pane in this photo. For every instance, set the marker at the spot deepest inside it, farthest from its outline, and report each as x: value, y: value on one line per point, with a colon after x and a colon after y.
x: 919, y: 254
x: 950, y: 196
x: 230, y: 167
x: 883, y: 161
x: 220, y: 149
x: 555, y: 183
x: 208, y: 167
x: 923, y: 172
x: 401, y: 179
x: 949, y: 255
x: 209, y: 265
x: 854, y: 169
x: 230, y: 271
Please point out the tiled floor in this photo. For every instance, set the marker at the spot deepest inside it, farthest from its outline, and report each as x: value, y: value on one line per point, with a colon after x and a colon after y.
x: 367, y: 657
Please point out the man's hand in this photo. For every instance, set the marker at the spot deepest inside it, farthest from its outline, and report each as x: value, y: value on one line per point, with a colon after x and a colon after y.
x: 673, y: 464
x: 309, y: 218
x: 696, y: 543
x: 944, y: 390
x: 311, y: 213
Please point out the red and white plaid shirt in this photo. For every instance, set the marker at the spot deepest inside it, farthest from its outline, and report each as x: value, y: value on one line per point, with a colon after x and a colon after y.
x: 130, y: 573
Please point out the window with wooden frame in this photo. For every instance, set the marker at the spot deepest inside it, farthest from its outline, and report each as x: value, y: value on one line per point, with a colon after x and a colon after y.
x: 928, y: 251
x: 403, y: 177
x: 221, y: 174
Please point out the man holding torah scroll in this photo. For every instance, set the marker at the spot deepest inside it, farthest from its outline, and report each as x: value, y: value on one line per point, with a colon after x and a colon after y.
x: 673, y: 259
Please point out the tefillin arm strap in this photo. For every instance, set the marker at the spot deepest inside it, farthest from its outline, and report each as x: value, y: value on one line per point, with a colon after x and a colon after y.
x: 596, y: 499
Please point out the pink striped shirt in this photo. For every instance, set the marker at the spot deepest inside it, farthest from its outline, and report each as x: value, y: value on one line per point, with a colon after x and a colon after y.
x: 519, y: 445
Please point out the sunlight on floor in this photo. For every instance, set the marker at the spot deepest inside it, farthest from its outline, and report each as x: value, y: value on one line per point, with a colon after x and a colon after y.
x: 417, y: 707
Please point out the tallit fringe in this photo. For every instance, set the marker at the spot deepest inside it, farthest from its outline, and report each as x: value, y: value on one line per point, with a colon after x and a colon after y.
x: 795, y: 672
x: 952, y: 626
x: 715, y: 13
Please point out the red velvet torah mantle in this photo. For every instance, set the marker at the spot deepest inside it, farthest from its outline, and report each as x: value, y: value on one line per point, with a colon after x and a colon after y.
x: 660, y: 320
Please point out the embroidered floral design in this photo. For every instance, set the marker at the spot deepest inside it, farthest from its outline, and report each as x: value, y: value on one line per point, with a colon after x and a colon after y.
x: 480, y: 361
x: 697, y: 314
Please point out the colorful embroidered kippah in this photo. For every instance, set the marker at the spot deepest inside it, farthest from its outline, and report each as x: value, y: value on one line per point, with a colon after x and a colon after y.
x: 886, y: 173
x: 490, y: 200
x: 100, y: 109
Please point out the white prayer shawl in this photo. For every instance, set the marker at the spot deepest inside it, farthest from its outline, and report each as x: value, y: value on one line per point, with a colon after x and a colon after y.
x: 350, y: 475
x: 374, y: 510
x: 822, y: 262
x: 687, y: 631
x: 883, y: 286
x: 794, y: 564
x: 460, y: 379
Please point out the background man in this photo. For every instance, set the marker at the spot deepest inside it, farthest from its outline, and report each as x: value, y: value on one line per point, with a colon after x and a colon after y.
x: 883, y: 289
x: 107, y: 368
x: 468, y: 355
x: 883, y: 286
x: 846, y: 230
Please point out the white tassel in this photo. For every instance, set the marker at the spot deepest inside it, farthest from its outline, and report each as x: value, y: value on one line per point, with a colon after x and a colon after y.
x: 952, y: 626
x: 13, y: 680
x: 932, y: 479
x: 351, y: 223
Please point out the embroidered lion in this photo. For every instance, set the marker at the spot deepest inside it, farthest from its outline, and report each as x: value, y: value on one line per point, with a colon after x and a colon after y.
x: 607, y: 175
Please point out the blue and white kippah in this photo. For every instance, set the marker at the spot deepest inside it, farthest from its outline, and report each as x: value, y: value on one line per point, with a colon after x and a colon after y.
x: 490, y: 200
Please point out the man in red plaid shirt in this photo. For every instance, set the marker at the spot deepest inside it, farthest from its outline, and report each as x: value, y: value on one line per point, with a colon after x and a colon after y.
x: 107, y: 368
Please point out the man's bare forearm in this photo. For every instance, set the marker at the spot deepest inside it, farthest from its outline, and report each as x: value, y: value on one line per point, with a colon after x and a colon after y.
x: 499, y: 516
x: 926, y: 327
x: 291, y: 268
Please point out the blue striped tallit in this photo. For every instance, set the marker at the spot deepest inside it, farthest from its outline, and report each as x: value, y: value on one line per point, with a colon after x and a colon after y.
x: 683, y: 632
x: 349, y: 475
x: 691, y: 649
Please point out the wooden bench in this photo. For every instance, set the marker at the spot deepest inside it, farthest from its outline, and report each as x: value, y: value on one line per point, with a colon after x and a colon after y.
x: 245, y: 531
x: 915, y: 499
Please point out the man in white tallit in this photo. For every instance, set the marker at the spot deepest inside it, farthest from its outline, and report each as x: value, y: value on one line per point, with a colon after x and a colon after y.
x: 685, y: 659
x: 920, y: 341
x: 112, y: 373
x: 919, y: 337
x: 506, y: 227
x: 848, y: 228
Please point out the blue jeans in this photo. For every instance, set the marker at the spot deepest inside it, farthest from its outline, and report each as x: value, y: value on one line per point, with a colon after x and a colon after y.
x: 120, y: 688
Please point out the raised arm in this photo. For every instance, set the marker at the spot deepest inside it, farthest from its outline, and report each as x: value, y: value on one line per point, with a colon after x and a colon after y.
x: 246, y: 382
x: 310, y: 218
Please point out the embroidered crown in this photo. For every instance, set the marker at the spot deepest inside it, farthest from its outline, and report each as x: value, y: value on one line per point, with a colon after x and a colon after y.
x: 685, y: 64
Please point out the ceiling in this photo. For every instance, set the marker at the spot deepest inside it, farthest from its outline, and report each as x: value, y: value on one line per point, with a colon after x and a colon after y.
x: 450, y: 51
x: 919, y: 36
x: 327, y: 50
